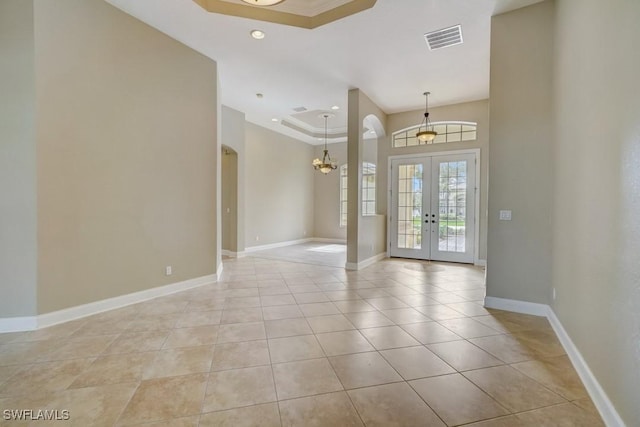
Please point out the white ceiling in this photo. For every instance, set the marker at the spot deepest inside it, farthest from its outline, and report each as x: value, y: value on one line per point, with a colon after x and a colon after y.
x: 381, y: 51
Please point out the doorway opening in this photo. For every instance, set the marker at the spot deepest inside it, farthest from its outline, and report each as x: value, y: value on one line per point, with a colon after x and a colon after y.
x: 434, y: 206
x: 229, y: 201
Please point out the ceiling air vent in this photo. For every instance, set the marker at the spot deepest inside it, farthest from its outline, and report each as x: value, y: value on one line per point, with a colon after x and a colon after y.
x: 444, y: 38
x: 300, y: 109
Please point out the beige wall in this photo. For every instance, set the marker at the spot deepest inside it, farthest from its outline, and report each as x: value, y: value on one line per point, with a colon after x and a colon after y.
x: 364, y: 237
x: 596, y: 230
x: 18, y: 247
x: 327, y: 190
x: 278, y: 187
x: 477, y: 112
x: 126, y: 138
x: 521, y: 157
x: 233, y: 136
x: 229, y: 175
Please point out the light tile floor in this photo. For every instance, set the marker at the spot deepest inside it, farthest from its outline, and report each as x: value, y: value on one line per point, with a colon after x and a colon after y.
x: 401, y: 343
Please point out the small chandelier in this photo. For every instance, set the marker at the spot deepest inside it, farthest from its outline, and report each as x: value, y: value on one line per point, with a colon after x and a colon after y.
x: 427, y: 135
x: 263, y: 2
x: 325, y: 165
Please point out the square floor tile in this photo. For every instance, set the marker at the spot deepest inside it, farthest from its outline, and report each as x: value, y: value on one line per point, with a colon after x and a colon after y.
x: 238, y: 332
x: 199, y: 318
x: 165, y: 398
x: 468, y: 328
x: 405, y: 315
x: 514, y: 390
x: 363, y: 369
x: 239, y: 387
x: 274, y: 300
x: 294, y: 348
x: 330, y: 323
x: 393, y: 405
x: 310, y: 297
x: 287, y: 328
x: 344, y: 342
x: 305, y: 378
x: 456, y: 399
x: 416, y: 362
x: 110, y: 369
x: 430, y: 332
x: 242, y: 315
x: 354, y: 306
x: 439, y: 312
x: 386, y: 303
x: 388, y: 337
x: 559, y: 415
x: 555, y: 373
x: 192, y: 337
x: 368, y: 319
x: 179, y: 361
x: 266, y: 415
x: 240, y: 355
x: 333, y: 409
x: 506, y: 348
x: 318, y: 309
x: 281, y: 312
x: 463, y: 356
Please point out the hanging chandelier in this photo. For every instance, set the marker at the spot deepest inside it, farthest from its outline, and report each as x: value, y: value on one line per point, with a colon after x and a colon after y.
x: 325, y: 165
x: 263, y: 2
x: 428, y: 134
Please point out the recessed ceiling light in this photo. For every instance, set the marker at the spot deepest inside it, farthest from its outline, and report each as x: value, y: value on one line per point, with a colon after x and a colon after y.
x: 274, y: 120
x: 257, y: 34
x: 335, y: 107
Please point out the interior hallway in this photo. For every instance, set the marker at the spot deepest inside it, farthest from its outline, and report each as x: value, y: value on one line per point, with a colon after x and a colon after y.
x: 281, y: 343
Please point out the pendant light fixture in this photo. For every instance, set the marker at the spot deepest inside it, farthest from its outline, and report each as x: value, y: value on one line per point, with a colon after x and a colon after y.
x: 325, y: 165
x: 428, y: 134
x: 263, y: 2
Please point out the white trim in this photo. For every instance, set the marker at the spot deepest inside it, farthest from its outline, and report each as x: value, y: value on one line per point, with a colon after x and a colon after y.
x: 233, y: 254
x: 79, y: 311
x: 277, y: 245
x: 480, y: 262
x: 366, y: 263
x: 600, y: 399
x: 325, y: 240
x: 18, y: 324
x: 523, y: 307
x: 219, y: 271
x: 477, y: 152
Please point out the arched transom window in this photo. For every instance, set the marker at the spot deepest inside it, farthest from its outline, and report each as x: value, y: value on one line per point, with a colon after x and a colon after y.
x: 447, y: 132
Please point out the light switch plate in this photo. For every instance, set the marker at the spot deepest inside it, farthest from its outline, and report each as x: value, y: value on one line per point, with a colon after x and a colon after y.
x: 505, y: 215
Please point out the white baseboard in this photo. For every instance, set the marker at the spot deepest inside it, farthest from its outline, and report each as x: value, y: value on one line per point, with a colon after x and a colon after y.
x: 276, y: 245
x: 72, y: 313
x: 18, y: 324
x: 600, y: 399
x: 326, y: 240
x: 523, y: 307
x: 219, y: 271
x: 366, y: 263
x: 231, y: 254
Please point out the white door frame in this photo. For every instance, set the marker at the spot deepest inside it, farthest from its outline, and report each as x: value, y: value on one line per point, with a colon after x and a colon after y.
x: 476, y: 213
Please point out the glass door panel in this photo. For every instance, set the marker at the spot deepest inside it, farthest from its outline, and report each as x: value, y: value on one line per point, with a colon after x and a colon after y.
x: 432, y: 208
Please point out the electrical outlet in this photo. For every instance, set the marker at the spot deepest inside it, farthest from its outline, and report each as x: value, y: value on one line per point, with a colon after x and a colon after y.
x: 505, y: 215
x: 168, y: 271
x: 554, y: 294
x: 257, y: 238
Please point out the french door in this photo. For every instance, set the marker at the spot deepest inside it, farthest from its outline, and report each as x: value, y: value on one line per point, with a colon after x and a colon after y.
x: 433, y: 207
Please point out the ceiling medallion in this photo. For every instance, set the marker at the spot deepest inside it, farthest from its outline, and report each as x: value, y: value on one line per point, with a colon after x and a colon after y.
x: 263, y: 2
